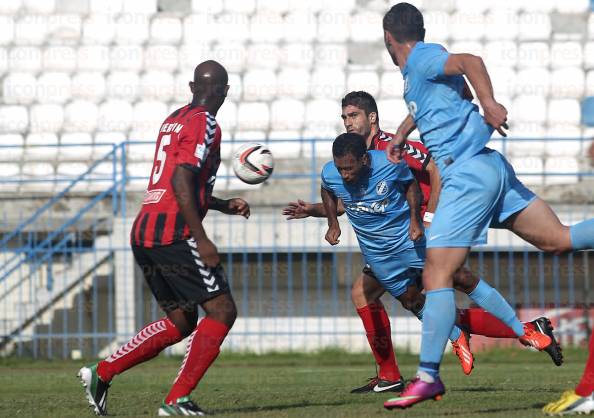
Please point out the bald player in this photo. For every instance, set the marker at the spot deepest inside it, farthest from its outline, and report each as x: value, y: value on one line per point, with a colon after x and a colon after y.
x: 180, y: 263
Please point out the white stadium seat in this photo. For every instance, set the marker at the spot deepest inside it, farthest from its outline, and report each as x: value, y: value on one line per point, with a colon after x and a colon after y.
x: 259, y: 85
x: 98, y: 29
x: 529, y: 169
x: 240, y: 23
x: 210, y: 7
x: 318, y: 141
x: 300, y: 26
x: 252, y: 136
x: 19, y: 88
x: 533, y: 54
x: 591, y: 26
x: 141, y: 152
x: 589, y: 55
x: 333, y: 26
x: 101, y: 177
x: 467, y: 47
x: 148, y: 7
x: 253, y: 116
x: 39, y: 6
x: 530, y: 108
x: 235, y: 86
x: 31, y: 30
x: 231, y: 55
x: 14, y: 150
x: 590, y: 83
x: 391, y: 85
x: 328, y: 82
x: 572, y: 6
x: 537, y: 6
x: 533, y: 82
x: 42, y: 173
x: 565, y: 148
x: 80, y: 116
x: 291, y: 148
x: 75, y: 146
x: 161, y: 57
x: 24, y: 58
x: 501, y: 24
x: 114, y: 115
x: 364, y: 80
x: 59, y: 58
x: 3, y: 60
x: 127, y: 57
x: 132, y: 29
x: 534, y: 27
x: 190, y: 55
x: 561, y: 165
x: 473, y: 5
x: 70, y: 171
x: 266, y: 27
x: 322, y: 114
x: 566, y: 54
x: 106, y: 138
x: 88, y: 86
x: 366, y: 26
x: 312, y: 6
x: 200, y: 28
x: 564, y: 111
x: 278, y: 6
x: 227, y: 117
x: 467, y: 25
x: 391, y: 112
x: 141, y: 172
x: 157, y: 85
x: 180, y: 87
x: 243, y: 6
x: 10, y: 171
x: 331, y: 55
x: 46, y: 118
x: 525, y: 130
x: 286, y: 114
x: 93, y: 58
x: 293, y: 83
x: 123, y: 85
x: 13, y: 119
x: 105, y: 6
x: 297, y: 55
x: 64, y: 29
x: 166, y: 30
x: 54, y: 87
x: 263, y: 55
x: 10, y: 7
x: 227, y: 147
x: 500, y: 53
x: 41, y: 147
x: 148, y: 116
x: 6, y: 30
x: 568, y: 82
x: 437, y: 24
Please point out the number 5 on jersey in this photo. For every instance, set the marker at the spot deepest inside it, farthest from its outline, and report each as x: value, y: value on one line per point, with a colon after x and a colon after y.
x: 161, y: 157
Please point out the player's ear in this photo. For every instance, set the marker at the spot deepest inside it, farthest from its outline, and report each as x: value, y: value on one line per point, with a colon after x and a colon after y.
x: 365, y: 159
x: 191, y: 84
x: 372, y: 117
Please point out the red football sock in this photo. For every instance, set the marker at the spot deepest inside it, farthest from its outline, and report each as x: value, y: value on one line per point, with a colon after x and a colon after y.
x: 203, y: 348
x: 480, y: 322
x: 377, y: 326
x: 586, y: 385
x: 149, y: 342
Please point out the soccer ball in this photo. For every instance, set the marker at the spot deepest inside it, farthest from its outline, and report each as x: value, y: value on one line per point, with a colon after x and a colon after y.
x: 253, y: 163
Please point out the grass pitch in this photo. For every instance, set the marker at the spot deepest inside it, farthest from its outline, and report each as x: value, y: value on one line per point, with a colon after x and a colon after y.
x: 510, y: 383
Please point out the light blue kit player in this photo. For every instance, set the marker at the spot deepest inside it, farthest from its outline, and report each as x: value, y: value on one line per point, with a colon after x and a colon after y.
x: 479, y: 187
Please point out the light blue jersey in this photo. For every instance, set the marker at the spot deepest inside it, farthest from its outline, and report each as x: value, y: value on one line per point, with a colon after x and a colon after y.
x: 450, y: 126
x: 379, y: 213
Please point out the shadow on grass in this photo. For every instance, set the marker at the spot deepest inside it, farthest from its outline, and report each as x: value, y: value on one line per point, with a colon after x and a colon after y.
x: 275, y: 407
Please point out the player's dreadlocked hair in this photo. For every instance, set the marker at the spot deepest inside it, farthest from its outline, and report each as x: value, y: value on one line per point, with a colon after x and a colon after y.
x: 405, y: 22
x: 349, y: 143
x: 362, y: 100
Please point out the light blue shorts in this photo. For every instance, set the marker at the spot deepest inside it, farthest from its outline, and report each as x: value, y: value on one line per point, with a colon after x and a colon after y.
x: 397, y: 273
x: 479, y: 193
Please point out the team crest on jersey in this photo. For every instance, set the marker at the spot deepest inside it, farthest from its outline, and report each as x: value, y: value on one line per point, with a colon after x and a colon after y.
x: 382, y: 188
x: 406, y: 85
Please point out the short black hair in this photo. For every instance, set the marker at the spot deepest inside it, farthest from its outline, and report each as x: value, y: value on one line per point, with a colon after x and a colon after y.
x: 405, y: 22
x: 362, y: 100
x: 349, y: 143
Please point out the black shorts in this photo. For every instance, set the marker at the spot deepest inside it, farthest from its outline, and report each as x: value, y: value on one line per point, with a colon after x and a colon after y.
x: 177, y: 276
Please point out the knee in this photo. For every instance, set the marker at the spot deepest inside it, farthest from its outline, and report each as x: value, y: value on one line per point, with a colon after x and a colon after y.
x: 464, y: 280
x: 413, y: 302
x: 184, y: 321
x: 224, y: 311
x: 358, y: 294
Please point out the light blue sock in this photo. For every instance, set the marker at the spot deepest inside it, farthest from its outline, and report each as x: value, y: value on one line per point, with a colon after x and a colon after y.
x: 454, y: 335
x: 491, y: 300
x: 582, y: 235
x: 438, y: 319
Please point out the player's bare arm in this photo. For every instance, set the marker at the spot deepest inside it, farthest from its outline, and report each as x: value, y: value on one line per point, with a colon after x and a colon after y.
x: 435, y: 182
x: 331, y: 206
x: 233, y: 206
x: 413, y: 197
x: 302, y: 209
x: 474, y: 69
x: 395, y: 149
x: 184, y: 186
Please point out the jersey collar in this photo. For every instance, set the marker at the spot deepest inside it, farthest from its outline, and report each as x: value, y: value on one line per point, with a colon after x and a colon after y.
x: 404, y: 70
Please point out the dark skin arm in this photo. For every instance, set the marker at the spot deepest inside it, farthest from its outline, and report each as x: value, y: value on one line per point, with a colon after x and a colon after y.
x: 435, y: 182
x: 302, y: 209
x: 234, y: 206
x: 395, y: 149
x: 413, y: 197
x: 330, y: 205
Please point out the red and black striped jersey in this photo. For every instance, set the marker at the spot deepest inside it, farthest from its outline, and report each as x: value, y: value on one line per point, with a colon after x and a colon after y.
x: 417, y: 157
x: 189, y: 137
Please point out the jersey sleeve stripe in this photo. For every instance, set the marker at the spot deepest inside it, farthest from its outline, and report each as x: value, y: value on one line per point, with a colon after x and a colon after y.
x: 209, y: 136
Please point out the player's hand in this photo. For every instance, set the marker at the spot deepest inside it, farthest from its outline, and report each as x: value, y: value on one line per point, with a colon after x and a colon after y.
x: 333, y: 234
x: 415, y: 230
x: 297, y: 210
x: 208, y: 252
x: 237, y: 206
x: 496, y: 116
x: 395, y: 149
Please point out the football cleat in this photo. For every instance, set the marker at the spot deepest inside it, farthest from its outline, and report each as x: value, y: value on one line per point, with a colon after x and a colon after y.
x: 183, y: 406
x: 95, y: 388
x: 417, y: 391
x: 375, y: 384
x: 539, y: 334
x: 570, y: 403
x: 461, y: 348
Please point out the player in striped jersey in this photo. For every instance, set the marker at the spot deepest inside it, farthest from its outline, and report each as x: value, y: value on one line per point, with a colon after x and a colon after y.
x: 180, y: 263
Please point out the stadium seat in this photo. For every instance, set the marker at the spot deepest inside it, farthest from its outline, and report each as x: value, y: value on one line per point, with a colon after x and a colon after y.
x: 366, y: 26
x: 126, y: 57
x: 530, y: 108
x: 98, y: 29
x: 566, y: 167
x: 266, y: 27
x: 30, y: 30
x: 93, y: 58
x: 525, y: 130
x: 529, y: 169
x: 166, y: 30
x: 290, y: 147
x: 564, y: 111
x: 161, y: 57
x: 64, y: 29
x: 227, y: 147
x: 300, y: 26
x: 46, y: 118
x: 327, y: 82
x: 501, y: 25
x: 533, y: 82
x: 54, y: 87
x: 318, y: 141
x: 331, y: 55
x: 19, y: 88
x: 293, y: 83
x: 13, y: 119
x: 477, y: 6
x: 141, y: 151
x: 70, y: 171
x: 437, y: 24
x: 189, y: 55
x: 534, y: 26
x: 42, y: 175
x: 148, y: 116
x: 590, y: 83
x: 157, y: 85
x: 3, y: 60
x: 322, y: 114
x: 88, y: 86
x: 364, y: 80
x: 568, y: 83
x: 6, y: 30
x: 223, y: 174
x: 333, y: 26
x: 572, y: 6
x: 591, y: 26
x: 240, y: 23
x: 312, y: 6
x: 24, y: 58
x: 391, y: 85
x: 123, y: 85
x: 567, y: 147
x: 253, y: 116
x: 210, y: 7
x: 114, y: 115
x: 391, y: 112
x: 102, y: 177
x: 286, y: 114
x: 231, y: 55
x: 263, y: 55
x: 566, y: 54
x: 200, y: 28
x: 242, y: 6
x: 132, y: 29
x: 39, y: 6
x: 235, y: 86
x: 10, y: 7
x: 139, y: 174
x: 259, y: 85
x: 589, y: 55
x: 533, y: 54
x: 276, y: 6
x: 467, y: 25
x: 10, y: 173
x: 76, y: 146
x: 147, y: 7
x: 467, y: 47
x: 500, y: 54
x: 544, y: 6
x: 297, y: 55
x: 59, y: 58
x: 102, y: 138
x: 241, y: 137
x: 14, y: 150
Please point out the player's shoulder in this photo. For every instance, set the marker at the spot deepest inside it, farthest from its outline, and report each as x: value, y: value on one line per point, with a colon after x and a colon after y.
x: 424, y: 51
x: 383, y: 140
x: 329, y: 169
x: 379, y: 159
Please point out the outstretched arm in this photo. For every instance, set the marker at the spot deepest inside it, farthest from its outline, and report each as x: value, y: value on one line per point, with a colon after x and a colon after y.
x: 234, y: 206
x: 302, y: 209
x: 395, y: 149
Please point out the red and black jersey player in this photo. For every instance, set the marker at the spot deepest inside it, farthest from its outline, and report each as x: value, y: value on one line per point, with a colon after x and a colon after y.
x: 180, y: 263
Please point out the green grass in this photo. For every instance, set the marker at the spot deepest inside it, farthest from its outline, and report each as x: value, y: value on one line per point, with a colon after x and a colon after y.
x: 509, y: 383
